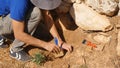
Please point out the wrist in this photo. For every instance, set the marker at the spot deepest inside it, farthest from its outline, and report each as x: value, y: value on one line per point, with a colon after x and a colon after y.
x: 61, y: 44
x: 58, y: 42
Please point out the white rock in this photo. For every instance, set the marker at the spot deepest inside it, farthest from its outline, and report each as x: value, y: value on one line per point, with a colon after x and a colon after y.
x: 88, y: 19
x: 101, y: 38
x: 108, y: 7
x: 118, y: 45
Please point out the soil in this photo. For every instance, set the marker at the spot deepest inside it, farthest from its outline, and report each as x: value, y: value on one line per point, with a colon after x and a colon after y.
x: 82, y: 56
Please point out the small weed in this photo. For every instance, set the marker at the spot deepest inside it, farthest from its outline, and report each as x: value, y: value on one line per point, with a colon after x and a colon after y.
x: 39, y: 58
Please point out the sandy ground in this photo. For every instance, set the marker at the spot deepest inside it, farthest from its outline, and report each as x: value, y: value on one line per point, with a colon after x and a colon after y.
x: 82, y: 56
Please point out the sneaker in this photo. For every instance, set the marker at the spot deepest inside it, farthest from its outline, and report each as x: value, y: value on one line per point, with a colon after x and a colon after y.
x: 20, y: 55
x: 3, y: 43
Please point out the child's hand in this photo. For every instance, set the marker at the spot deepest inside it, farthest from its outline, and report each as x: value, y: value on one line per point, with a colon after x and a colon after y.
x: 66, y: 46
x: 52, y: 48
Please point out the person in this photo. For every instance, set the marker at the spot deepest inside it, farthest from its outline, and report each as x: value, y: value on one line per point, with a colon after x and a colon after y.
x: 21, y: 17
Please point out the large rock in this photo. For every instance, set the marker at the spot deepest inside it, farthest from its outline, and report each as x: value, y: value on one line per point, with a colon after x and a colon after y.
x: 108, y: 7
x: 88, y: 19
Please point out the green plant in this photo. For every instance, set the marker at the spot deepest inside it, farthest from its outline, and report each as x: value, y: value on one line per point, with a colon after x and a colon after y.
x: 39, y: 58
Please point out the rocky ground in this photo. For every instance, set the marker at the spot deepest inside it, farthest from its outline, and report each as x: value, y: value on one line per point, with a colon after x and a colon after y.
x: 104, y: 55
x: 83, y: 56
